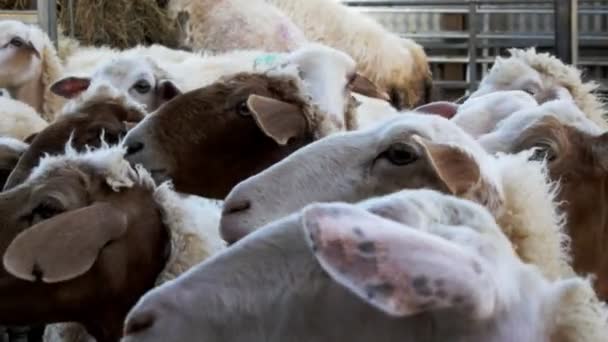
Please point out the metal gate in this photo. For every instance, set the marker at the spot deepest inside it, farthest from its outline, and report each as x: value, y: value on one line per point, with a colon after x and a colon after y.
x: 463, y: 37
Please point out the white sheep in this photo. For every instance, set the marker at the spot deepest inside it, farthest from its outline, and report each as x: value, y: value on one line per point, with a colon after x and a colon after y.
x: 18, y: 119
x: 387, y: 266
x: 545, y: 77
x: 399, y: 66
x: 28, y: 66
x: 137, y: 76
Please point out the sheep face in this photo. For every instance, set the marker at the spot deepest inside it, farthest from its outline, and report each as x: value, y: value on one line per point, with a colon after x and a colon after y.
x: 71, y: 246
x: 139, y: 77
x: 515, y: 74
x: 209, y: 139
x: 579, y: 162
x: 412, y: 151
x: 20, y: 60
x: 415, y: 258
x: 85, y: 127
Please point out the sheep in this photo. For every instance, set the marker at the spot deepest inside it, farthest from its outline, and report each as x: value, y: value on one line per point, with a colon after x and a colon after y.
x: 18, y: 119
x: 140, y: 78
x: 101, y: 111
x: 409, y: 151
x: 221, y: 26
x: 573, y: 147
x: 249, y: 105
x: 546, y: 78
x: 29, y: 64
x: 413, y: 266
x: 399, y: 66
x: 137, y: 235
x: 10, y: 151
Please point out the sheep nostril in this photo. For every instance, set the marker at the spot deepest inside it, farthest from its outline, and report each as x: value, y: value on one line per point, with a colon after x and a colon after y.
x: 236, y: 206
x: 134, y: 147
x: 139, y: 322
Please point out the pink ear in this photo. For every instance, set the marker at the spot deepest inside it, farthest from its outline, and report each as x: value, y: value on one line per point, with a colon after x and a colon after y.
x: 442, y: 108
x: 70, y: 87
x: 396, y: 268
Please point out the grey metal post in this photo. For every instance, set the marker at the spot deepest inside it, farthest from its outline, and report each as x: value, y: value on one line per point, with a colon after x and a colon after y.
x: 472, y: 44
x: 47, y: 17
x: 564, y: 29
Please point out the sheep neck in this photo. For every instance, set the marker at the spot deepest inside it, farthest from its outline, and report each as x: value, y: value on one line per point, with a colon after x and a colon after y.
x: 31, y: 92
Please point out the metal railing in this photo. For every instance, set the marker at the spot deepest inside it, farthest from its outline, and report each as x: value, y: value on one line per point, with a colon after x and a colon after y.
x: 465, y: 36
x: 45, y: 15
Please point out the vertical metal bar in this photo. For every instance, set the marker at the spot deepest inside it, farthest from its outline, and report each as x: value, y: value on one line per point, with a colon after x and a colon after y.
x: 563, y: 29
x: 472, y: 44
x: 574, y: 30
x: 47, y: 17
x: 71, y: 11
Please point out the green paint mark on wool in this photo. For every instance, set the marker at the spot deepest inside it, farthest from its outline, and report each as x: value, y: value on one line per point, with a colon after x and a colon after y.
x: 268, y: 59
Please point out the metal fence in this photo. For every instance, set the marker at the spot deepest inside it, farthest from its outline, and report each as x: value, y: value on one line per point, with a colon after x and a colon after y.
x: 463, y: 37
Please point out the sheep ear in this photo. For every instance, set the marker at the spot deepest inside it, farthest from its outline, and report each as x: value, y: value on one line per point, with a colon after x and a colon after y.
x: 70, y: 87
x: 166, y: 90
x: 65, y: 246
x: 362, y: 85
x: 441, y: 108
x: 398, y: 269
x: 456, y: 169
x: 279, y: 120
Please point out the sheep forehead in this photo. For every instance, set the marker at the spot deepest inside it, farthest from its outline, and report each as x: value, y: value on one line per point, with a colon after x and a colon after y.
x: 31, y: 33
x: 13, y: 144
x: 123, y: 69
x: 107, y: 161
x: 102, y: 91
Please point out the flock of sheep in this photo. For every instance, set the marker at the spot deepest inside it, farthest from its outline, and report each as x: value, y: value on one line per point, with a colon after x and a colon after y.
x: 289, y: 180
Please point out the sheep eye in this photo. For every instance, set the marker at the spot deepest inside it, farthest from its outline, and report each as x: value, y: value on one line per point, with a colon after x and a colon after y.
x: 243, y: 109
x: 17, y: 42
x: 44, y: 211
x: 543, y: 152
x: 142, y: 87
x: 401, y: 154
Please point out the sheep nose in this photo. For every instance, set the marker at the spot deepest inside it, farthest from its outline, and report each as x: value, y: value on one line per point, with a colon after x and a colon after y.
x: 139, y: 322
x: 236, y: 206
x: 134, y: 147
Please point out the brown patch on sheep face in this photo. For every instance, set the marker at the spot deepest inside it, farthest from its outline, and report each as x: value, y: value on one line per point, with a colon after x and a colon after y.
x: 123, y: 271
x: 85, y: 126
x: 579, y: 161
x: 207, y: 140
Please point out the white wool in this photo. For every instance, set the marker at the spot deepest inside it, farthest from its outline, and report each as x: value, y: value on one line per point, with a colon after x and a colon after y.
x: 4, y: 93
x: 13, y: 144
x: 194, y: 229
x: 102, y: 92
x: 193, y: 221
x: 18, y: 119
x: 371, y: 111
x: 531, y: 218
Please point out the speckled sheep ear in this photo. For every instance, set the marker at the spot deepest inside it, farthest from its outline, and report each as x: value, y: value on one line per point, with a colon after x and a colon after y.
x: 65, y: 246
x: 398, y: 269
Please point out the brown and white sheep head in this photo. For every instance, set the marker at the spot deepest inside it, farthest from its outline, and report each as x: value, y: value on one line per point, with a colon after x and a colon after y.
x: 101, y: 113
x: 408, y: 152
x: 243, y: 123
x: 578, y: 160
x: 76, y: 223
x: 137, y: 76
x: 20, y: 53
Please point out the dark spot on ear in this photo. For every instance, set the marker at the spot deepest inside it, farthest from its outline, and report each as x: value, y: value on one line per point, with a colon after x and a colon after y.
x: 458, y: 299
x: 357, y: 230
x: 367, y: 247
x: 382, y: 289
x: 334, y: 212
x: 421, y: 286
x: 441, y: 294
x: 37, y: 272
x: 427, y: 305
x: 477, y: 267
